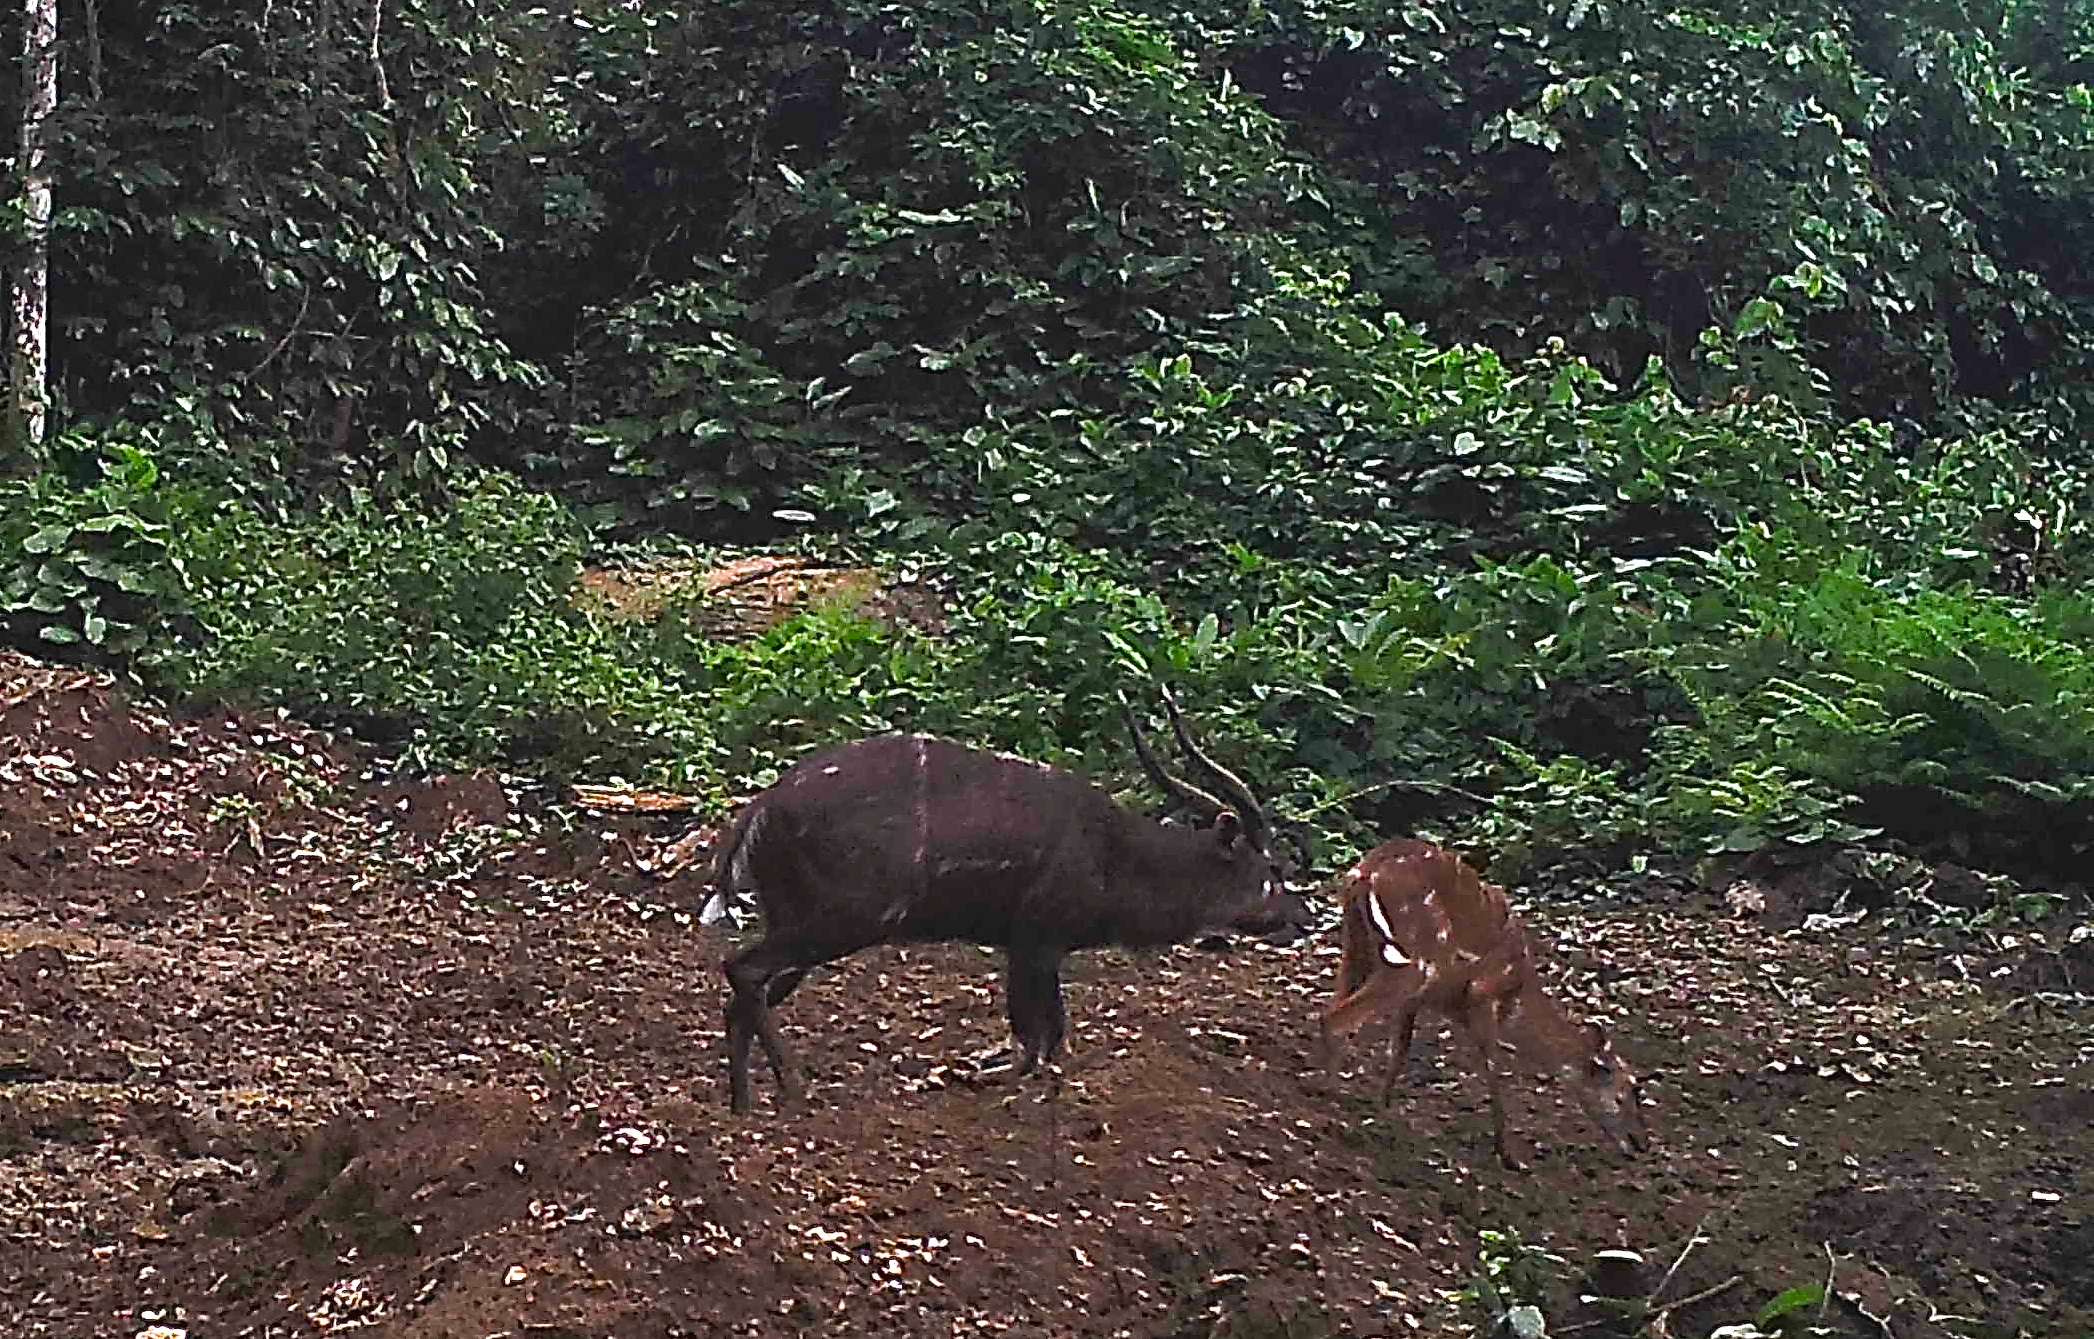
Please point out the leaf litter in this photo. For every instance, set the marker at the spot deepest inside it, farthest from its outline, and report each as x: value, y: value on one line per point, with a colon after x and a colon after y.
x: 291, y: 1043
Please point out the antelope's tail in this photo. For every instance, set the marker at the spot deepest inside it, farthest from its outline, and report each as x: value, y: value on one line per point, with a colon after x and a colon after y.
x: 731, y: 866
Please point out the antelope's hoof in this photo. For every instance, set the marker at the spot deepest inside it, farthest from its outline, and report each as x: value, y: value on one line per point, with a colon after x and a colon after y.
x: 993, y: 1066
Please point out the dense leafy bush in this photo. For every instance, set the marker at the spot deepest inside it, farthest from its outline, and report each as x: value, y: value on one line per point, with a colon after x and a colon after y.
x: 1910, y: 180
x: 453, y: 633
x: 1764, y: 690
x: 92, y: 568
x: 271, y: 244
x: 1751, y: 512
x: 387, y: 619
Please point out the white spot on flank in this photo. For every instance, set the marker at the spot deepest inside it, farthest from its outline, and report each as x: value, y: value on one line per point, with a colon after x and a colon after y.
x: 831, y: 770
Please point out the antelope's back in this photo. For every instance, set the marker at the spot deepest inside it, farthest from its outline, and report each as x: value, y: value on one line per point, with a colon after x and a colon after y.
x: 929, y: 836
x: 1430, y: 894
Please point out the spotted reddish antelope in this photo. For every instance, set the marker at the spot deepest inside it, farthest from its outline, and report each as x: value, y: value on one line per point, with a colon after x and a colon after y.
x: 1424, y: 934
x: 910, y: 839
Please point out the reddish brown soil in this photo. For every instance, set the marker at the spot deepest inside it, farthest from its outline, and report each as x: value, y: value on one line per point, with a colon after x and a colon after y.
x: 288, y: 1046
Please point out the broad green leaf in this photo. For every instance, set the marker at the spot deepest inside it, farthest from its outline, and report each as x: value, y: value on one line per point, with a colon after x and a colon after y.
x: 47, y: 539
x: 1203, y: 637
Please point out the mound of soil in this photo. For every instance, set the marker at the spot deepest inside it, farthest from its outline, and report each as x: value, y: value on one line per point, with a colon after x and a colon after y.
x: 292, y: 1045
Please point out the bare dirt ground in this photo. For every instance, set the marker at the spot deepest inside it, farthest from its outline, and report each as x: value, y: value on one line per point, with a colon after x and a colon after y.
x: 290, y: 1046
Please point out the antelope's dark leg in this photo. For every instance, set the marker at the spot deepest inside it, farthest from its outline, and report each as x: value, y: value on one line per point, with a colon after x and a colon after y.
x: 1040, y: 1020
x: 757, y: 975
x: 1033, y: 996
x: 784, y: 984
x: 738, y: 1038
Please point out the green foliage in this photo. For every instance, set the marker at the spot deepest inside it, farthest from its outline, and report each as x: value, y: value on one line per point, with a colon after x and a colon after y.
x: 1898, y: 193
x: 1550, y: 707
x: 699, y: 418
x: 379, y: 616
x: 1083, y: 308
x: 452, y: 634
x: 901, y: 227
x: 689, y: 261
x: 91, y: 570
x: 1510, y: 1283
x: 271, y: 244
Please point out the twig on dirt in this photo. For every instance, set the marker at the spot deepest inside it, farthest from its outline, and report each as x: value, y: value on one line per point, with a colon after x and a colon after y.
x: 1659, y: 1316
x: 1694, y: 1238
x: 1650, y: 1301
x: 1656, y: 1323
x: 42, y: 683
x: 1938, y: 1317
x: 627, y: 799
x: 1882, y: 1323
x: 1832, y: 1268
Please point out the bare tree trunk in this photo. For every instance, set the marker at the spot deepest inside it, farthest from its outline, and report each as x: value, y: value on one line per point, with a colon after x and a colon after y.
x: 31, y: 307
x: 91, y: 13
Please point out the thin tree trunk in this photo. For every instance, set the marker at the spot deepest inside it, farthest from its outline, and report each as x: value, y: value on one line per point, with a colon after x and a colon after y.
x: 91, y: 15
x: 31, y: 306
x: 385, y: 94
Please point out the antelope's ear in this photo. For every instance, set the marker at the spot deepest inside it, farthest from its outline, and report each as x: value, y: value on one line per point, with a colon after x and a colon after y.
x: 1227, y: 827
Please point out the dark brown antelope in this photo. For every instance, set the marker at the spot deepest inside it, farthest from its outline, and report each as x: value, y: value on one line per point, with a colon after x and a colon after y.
x: 911, y: 839
x: 1423, y: 933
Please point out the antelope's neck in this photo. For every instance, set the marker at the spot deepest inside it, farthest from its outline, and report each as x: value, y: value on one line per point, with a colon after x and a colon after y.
x: 1169, y: 886
x: 1544, y: 1035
